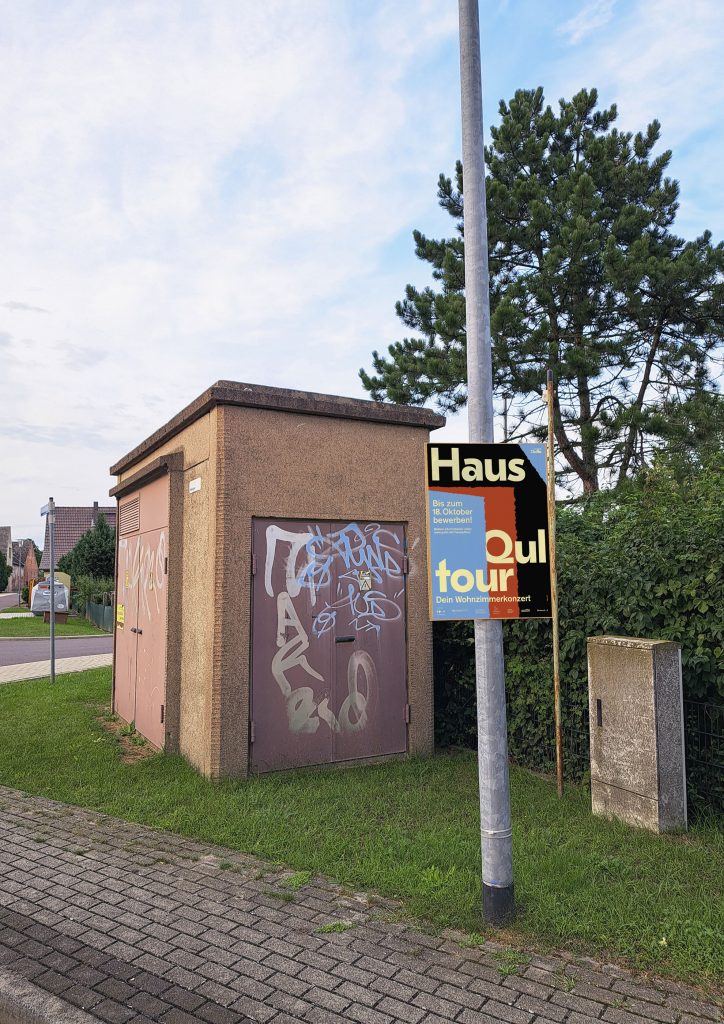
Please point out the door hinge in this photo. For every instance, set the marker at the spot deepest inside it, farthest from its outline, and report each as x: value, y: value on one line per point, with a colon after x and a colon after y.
x: 407, y: 713
x: 405, y: 565
x: 253, y: 565
x: 165, y: 566
x: 163, y: 712
x: 252, y: 732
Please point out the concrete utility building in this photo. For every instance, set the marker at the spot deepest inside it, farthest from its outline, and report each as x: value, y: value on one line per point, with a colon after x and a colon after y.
x: 271, y: 591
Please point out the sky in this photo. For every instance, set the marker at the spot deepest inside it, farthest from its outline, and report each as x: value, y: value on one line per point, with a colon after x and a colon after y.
x: 223, y: 189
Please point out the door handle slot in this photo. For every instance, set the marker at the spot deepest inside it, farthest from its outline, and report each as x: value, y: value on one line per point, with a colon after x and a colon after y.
x: 344, y: 639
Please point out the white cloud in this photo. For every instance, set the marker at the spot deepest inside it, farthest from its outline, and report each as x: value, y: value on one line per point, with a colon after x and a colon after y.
x: 592, y: 16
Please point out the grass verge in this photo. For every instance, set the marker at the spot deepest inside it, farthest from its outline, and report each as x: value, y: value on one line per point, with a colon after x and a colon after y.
x: 404, y: 829
x: 75, y: 626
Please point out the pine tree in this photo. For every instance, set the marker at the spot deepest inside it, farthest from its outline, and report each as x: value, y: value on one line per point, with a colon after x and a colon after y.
x: 587, y: 279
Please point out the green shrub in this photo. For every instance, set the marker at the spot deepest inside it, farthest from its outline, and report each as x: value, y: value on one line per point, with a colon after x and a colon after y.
x: 88, y: 589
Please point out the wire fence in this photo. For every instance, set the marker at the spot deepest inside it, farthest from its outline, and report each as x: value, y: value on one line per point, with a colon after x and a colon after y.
x: 703, y: 737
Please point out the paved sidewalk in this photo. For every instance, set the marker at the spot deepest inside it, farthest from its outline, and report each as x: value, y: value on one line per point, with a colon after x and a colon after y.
x: 16, y: 615
x: 133, y: 925
x: 38, y: 669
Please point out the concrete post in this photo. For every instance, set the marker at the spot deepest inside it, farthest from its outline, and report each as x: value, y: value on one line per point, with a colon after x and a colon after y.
x: 638, y: 770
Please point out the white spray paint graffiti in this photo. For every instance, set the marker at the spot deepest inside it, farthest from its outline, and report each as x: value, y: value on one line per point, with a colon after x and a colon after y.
x: 140, y: 562
x: 372, y: 549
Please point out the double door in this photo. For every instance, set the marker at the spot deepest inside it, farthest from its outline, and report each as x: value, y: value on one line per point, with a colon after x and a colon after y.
x: 329, y: 656
x: 141, y: 610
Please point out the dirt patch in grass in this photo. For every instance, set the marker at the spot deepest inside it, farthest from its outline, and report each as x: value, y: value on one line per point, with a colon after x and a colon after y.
x: 133, y: 747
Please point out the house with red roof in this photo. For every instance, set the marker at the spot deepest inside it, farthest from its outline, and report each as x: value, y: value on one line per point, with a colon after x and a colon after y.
x: 71, y: 522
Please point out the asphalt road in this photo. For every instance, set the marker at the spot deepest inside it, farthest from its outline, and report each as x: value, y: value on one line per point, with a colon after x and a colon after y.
x: 8, y: 600
x: 21, y: 651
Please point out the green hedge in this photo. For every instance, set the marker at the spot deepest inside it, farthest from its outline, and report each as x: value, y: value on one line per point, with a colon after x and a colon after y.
x: 647, y: 561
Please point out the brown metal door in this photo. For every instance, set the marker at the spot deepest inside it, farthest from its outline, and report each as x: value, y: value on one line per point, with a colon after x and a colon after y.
x: 124, y: 691
x: 369, y: 640
x: 291, y: 672
x: 151, y: 660
x: 328, y: 642
x: 142, y: 590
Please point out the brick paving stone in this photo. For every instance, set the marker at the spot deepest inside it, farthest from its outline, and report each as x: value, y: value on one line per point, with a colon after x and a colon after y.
x: 320, y: 979
x: 148, y: 1004
x: 289, y: 1004
x: 82, y: 996
x: 248, y: 1007
x: 114, y: 1013
x: 574, y: 1002
x: 176, y: 1016
x: 183, y: 998
x: 395, y: 988
x: 542, y: 1007
x: 455, y: 994
x: 616, y: 1015
x: 327, y: 1000
x: 401, y: 1011
x: 689, y: 1005
x: 212, y: 1013
x: 442, y: 1007
x: 318, y: 1015
x: 581, y: 1018
x: 502, y: 993
x: 504, y: 1012
x: 150, y: 983
x: 218, y: 993
x: 638, y: 990
x: 187, y: 979
x: 366, y: 1015
x: 116, y: 989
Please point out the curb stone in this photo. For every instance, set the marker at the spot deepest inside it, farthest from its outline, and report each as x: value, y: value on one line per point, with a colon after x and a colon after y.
x: 21, y: 1002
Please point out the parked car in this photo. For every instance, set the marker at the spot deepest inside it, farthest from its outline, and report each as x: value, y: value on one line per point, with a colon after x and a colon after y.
x: 40, y: 601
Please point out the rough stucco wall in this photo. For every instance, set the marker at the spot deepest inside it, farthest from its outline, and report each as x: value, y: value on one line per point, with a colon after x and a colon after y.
x: 197, y: 443
x: 294, y: 466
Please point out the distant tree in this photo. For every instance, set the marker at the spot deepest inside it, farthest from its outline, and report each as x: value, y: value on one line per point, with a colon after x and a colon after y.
x: 587, y: 280
x: 38, y: 552
x: 94, y: 554
x: 5, y: 572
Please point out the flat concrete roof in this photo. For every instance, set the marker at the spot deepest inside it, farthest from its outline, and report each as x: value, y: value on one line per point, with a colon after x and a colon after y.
x: 256, y: 396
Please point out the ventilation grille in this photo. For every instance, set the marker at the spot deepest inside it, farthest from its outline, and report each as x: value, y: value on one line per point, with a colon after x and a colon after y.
x: 129, y: 515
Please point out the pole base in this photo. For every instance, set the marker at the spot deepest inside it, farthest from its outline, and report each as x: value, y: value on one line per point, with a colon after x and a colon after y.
x: 498, y: 904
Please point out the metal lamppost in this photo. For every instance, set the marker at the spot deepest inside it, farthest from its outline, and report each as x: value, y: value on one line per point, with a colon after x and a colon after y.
x: 49, y: 511
x: 495, y: 822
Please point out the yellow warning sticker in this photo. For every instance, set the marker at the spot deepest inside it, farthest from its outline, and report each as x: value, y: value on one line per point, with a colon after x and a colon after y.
x: 365, y: 580
x: 120, y: 615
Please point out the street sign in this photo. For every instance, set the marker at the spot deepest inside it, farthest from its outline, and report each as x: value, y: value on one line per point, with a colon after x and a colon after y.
x: 487, y: 528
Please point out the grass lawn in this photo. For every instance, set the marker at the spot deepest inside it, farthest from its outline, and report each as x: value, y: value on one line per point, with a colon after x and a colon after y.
x: 14, y: 608
x: 75, y: 626
x: 404, y: 829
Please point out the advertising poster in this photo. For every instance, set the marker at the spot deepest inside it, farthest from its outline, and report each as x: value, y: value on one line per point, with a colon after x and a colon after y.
x: 487, y: 529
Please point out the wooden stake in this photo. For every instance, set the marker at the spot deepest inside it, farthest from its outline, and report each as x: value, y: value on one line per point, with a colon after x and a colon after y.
x: 554, y: 588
